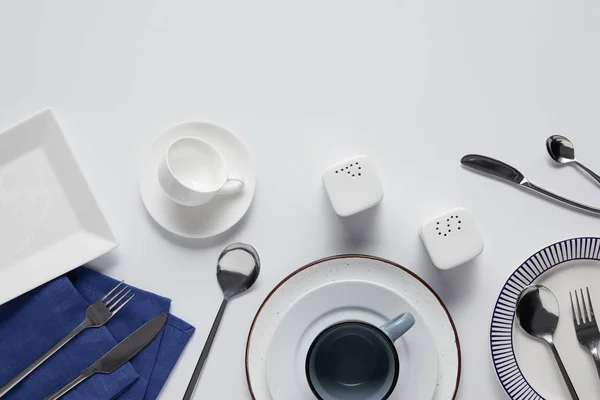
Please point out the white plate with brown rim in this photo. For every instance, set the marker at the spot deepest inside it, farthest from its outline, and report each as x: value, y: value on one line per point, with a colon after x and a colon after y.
x: 323, y: 275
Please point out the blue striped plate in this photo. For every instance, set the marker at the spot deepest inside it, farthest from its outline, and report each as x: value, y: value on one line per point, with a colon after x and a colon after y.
x: 515, y: 356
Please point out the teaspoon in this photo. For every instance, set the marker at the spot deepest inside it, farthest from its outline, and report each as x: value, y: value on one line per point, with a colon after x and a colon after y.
x: 562, y: 151
x: 237, y: 270
x: 537, y: 313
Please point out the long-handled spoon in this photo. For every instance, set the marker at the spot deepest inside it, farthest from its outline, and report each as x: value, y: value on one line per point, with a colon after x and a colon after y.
x: 237, y: 270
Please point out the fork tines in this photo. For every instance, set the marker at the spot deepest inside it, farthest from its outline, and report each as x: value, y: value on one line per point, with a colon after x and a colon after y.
x: 115, y: 303
x: 582, y: 316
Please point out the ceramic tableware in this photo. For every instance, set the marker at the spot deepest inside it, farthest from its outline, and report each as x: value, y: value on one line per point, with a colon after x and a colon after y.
x: 562, y: 151
x: 353, y: 186
x: 343, y: 300
x: 340, y: 289
x: 193, y: 171
x: 213, y: 217
x: 354, y: 360
x: 451, y: 238
x: 50, y: 222
x: 525, y: 368
x: 237, y: 270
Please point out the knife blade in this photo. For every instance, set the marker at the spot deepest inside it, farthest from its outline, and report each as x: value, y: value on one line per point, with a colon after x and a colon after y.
x: 118, y: 355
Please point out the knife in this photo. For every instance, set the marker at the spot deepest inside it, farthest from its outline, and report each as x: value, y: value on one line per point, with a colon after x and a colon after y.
x: 118, y: 355
x: 508, y: 173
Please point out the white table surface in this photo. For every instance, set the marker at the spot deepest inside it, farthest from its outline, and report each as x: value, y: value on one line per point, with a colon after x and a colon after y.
x: 413, y: 84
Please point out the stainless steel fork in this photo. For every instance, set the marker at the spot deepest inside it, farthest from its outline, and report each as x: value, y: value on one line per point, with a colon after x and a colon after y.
x: 586, y: 328
x: 96, y: 315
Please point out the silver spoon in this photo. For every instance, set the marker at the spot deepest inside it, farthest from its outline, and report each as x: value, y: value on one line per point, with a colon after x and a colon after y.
x: 562, y: 151
x: 537, y: 313
x: 237, y: 270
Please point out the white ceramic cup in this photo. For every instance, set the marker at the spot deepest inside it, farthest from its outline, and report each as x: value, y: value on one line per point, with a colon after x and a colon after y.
x: 193, y: 171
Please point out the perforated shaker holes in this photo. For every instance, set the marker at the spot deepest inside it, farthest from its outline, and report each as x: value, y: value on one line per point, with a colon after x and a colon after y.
x: 452, y: 239
x: 453, y: 222
x: 353, y: 169
x: 353, y: 186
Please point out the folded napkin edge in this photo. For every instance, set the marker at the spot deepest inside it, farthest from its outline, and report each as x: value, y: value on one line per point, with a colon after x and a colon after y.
x: 180, y: 324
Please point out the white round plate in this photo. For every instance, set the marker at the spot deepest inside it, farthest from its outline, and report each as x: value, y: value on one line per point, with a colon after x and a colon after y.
x: 348, y: 300
x: 371, y: 273
x: 525, y: 366
x: 219, y: 214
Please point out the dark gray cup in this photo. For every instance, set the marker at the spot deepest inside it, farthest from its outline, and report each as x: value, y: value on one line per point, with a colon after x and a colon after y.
x: 355, y: 360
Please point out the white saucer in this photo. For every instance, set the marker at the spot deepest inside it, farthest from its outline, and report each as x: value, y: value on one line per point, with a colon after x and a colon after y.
x: 341, y: 301
x: 396, y: 282
x: 208, y: 219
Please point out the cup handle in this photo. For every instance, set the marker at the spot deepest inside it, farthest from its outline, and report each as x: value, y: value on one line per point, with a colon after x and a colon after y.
x: 398, y: 326
x: 234, y: 184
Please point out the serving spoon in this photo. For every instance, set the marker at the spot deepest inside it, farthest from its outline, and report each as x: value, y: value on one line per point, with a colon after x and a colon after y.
x: 237, y: 270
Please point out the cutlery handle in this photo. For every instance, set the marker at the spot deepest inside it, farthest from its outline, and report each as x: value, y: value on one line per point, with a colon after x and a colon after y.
x: 589, y: 171
x: 597, y: 362
x: 596, y: 358
x: 40, y: 360
x: 563, y: 371
x: 70, y: 385
x: 189, y: 392
x: 491, y: 166
x: 560, y: 199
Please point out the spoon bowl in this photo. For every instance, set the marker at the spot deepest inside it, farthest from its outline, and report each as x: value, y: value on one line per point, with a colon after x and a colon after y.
x: 561, y: 149
x: 538, y: 312
x: 237, y: 269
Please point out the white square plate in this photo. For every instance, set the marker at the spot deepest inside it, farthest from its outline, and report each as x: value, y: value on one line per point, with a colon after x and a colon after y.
x: 50, y: 222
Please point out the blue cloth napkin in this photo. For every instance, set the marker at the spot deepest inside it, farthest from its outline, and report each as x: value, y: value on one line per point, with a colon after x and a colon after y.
x: 33, y: 322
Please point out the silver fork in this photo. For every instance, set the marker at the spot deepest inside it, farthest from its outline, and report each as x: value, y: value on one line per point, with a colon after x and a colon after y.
x: 96, y: 315
x: 586, y: 328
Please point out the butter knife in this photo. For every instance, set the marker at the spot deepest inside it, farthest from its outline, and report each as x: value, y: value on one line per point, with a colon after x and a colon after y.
x: 118, y: 355
x: 511, y: 174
